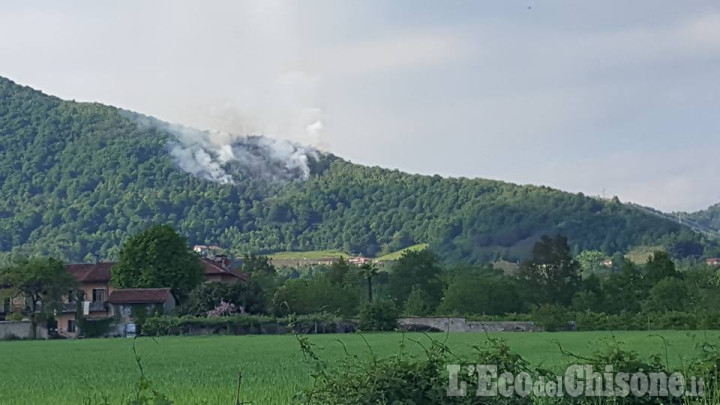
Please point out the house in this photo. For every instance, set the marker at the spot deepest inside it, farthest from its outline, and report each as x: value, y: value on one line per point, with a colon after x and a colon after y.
x: 607, y: 263
x: 305, y: 262
x: 150, y: 300
x: 359, y: 261
x: 8, y: 305
x: 98, y: 299
x: 202, y: 250
x: 714, y: 261
x: 208, y: 251
x: 91, y: 296
x: 219, y: 269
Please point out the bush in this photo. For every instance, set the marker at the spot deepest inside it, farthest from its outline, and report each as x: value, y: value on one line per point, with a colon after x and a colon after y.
x: 208, y: 296
x: 92, y: 328
x: 404, y: 379
x: 416, y: 303
x: 398, y: 379
x: 244, y: 324
x: 551, y: 317
x: 380, y: 315
x: 16, y: 316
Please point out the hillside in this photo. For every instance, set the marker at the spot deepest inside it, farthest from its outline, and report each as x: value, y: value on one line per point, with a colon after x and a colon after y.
x: 708, y: 218
x: 78, y: 178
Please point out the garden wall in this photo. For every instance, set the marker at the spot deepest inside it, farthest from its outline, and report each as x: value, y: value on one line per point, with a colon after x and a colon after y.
x: 443, y: 324
x: 19, y: 330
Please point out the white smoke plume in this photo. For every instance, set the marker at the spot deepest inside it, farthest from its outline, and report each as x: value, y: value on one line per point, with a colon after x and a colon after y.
x: 223, y: 157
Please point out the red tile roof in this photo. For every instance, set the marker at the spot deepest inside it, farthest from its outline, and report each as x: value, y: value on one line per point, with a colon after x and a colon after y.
x: 87, y: 273
x: 139, y: 296
x: 212, y: 268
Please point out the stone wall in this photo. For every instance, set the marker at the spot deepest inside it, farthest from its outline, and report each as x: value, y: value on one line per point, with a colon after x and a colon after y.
x: 19, y: 330
x: 463, y: 325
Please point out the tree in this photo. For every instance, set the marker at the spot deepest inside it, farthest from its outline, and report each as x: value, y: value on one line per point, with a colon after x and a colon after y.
x: 158, y: 257
x: 624, y: 291
x: 416, y: 304
x: 263, y: 275
x: 590, y: 297
x: 417, y: 268
x: 257, y: 265
x: 337, y: 273
x: 552, y: 276
x: 368, y: 271
x: 380, y: 315
x: 591, y: 261
x: 669, y: 294
x: 660, y: 266
x: 42, y: 282
x: 480, y: 294
x: 303, y: 296
x: 207, y: 296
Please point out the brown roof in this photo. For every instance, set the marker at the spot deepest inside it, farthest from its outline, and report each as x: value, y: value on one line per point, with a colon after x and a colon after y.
x: 139, y: 296
x: 213, y: 269
x: 87, y: 273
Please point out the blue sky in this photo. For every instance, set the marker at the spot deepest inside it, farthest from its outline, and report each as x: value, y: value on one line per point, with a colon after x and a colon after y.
x: 584, y: 96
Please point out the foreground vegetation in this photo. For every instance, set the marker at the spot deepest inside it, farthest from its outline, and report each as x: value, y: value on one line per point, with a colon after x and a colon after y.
x: 190, y: 370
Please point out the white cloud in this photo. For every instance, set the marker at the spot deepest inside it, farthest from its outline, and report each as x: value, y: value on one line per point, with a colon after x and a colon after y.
x: 389, y: 55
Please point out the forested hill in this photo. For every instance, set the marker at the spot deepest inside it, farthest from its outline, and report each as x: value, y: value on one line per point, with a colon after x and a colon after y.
x: 708, y: 218
x: 78, y: 178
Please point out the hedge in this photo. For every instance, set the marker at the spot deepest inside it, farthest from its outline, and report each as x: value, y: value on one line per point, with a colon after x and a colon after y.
x: 245, y: 324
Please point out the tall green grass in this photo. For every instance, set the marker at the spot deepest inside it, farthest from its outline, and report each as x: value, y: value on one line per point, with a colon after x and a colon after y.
x: 195, y: 370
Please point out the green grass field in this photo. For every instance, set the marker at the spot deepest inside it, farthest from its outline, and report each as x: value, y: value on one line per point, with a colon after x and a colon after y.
x: 309, y: 255
x: 396, y: 255
x: 324, y: 254
x: 640, y: 254
x: 192, y: 369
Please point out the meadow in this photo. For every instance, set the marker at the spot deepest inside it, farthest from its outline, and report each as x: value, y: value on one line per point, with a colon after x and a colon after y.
x: 195, y: 370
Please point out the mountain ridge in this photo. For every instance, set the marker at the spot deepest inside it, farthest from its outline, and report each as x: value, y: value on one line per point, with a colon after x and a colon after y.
x: 79, y: 178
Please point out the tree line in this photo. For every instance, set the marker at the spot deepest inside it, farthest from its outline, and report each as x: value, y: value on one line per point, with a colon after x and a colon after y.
x: 552, y: 282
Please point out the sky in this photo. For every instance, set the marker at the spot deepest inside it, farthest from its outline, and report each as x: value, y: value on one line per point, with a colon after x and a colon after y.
x: 605, y: 98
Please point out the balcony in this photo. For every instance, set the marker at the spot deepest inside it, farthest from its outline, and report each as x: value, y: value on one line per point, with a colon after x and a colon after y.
x: 95, y: 306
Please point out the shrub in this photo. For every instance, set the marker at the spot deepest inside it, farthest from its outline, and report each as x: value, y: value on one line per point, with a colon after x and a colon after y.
x: 92, y: 328
x: 208, y: 296
x: 404, y: 379
x: 380, y: 315
x: 398, y: 379
x: 244, y: 324
x: 551, y: 317
x: 416, y: 303
x: 16, y: 316
x: 223, y: 309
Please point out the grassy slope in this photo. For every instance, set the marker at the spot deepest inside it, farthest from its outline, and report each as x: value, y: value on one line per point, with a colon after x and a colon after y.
x: 396, y: 255
x: 640, y: 254
x: 324, y: 254
x: 309, y: 255
x: 192, y: 369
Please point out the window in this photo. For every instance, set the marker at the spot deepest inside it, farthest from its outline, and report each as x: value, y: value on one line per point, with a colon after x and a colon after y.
x: 6, y: 305
x: 71, y: 326
x: 71, y: 296
x: 98, y: 295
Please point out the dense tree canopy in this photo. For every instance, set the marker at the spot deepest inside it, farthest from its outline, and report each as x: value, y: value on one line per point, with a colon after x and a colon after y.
x: 76, y: 179
x: 158, y: 257
x: 553, y: 275
x: 417, y: 271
